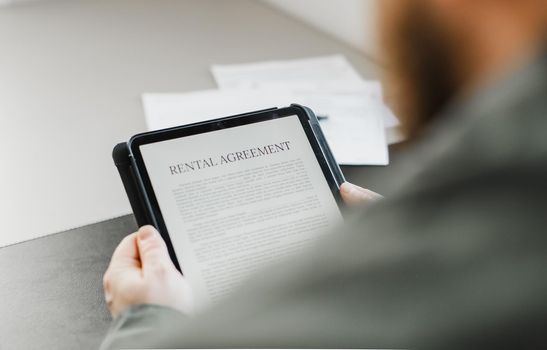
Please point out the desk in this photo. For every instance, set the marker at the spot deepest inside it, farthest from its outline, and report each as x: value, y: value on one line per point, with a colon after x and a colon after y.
x: 51, y: 295
x: 72, y: 74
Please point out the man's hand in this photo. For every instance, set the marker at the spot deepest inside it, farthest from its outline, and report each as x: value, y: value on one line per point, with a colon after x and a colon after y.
x: 353, y: 194
x: 141, y: 272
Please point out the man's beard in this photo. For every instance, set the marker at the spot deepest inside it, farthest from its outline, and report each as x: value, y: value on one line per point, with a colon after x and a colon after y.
x: 420, y: 70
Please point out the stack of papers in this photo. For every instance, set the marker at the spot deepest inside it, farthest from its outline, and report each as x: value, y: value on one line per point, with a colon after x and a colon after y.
x: 354, y: 113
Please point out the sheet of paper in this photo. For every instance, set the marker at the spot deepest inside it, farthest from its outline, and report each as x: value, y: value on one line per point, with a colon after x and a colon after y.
x: 329, y: 73
x: 319, y: 70
x: 350, y: 116
x: 353, y: 125
x: 173, y: 109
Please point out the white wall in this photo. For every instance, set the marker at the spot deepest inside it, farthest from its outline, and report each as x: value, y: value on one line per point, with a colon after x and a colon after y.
x: 352, y: 21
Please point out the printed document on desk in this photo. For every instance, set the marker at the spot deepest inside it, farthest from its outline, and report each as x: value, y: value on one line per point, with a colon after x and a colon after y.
x: 321, y: 73
x: 356, y: 135
x: 165, y: 110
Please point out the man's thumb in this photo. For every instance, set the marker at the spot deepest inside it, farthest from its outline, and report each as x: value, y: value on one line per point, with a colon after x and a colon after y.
x: 152, y: 248
x: 353, y: 194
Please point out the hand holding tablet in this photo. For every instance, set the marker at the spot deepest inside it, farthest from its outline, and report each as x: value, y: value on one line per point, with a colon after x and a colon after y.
x: 234, y: 194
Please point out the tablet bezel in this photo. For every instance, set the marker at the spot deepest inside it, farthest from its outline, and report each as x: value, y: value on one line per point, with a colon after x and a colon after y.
x: 145, y: 183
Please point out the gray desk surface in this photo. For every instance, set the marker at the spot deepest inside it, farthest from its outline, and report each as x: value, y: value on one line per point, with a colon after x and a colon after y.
x: 51, y: 294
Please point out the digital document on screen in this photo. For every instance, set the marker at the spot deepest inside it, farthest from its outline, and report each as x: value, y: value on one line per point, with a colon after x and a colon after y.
x: 237, y: 199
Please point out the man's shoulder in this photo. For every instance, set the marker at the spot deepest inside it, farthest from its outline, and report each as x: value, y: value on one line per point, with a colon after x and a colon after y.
x: 499, y: 130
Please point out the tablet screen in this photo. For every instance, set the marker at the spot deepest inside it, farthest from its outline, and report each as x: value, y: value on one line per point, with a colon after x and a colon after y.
x: 239, y: 198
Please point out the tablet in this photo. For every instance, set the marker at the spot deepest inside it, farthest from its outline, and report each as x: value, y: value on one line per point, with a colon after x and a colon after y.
x: 233, y: 194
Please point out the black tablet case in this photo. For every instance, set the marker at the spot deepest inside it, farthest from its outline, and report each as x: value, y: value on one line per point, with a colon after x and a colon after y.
x: 124, y: 162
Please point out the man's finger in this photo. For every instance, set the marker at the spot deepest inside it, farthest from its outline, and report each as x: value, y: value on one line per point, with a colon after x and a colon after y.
x: 152, y: 248
x: 126, y: 253
x: 353, y: 194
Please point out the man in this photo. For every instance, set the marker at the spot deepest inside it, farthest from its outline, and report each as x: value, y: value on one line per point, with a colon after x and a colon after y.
x: 455, y: 256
